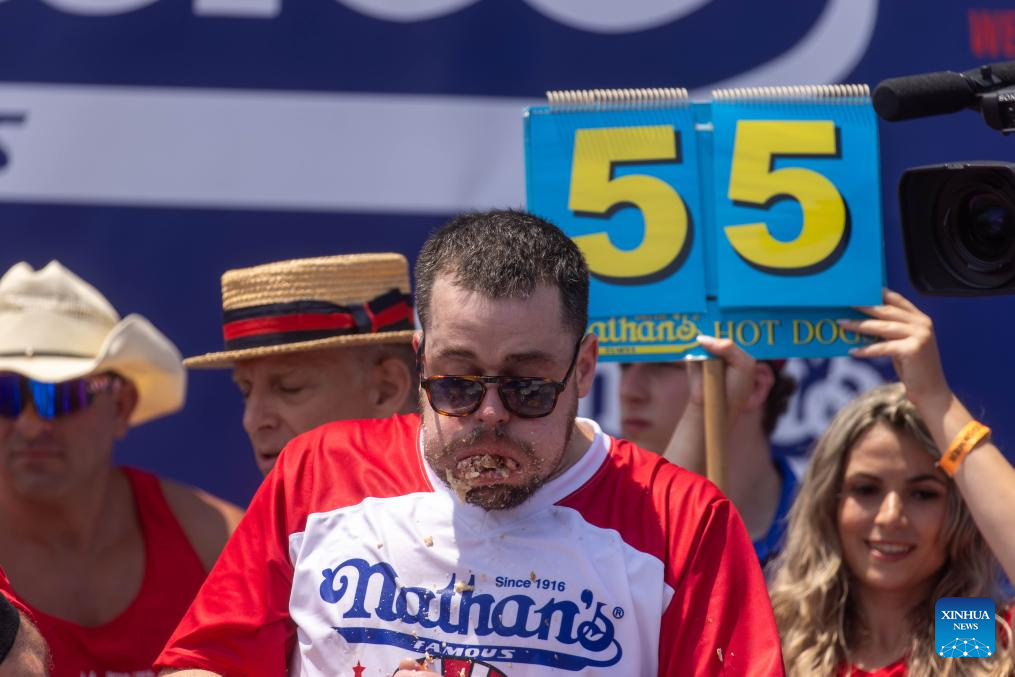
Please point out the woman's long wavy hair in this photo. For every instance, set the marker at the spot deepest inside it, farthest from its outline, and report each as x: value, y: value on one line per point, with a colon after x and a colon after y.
x: 816, y: 613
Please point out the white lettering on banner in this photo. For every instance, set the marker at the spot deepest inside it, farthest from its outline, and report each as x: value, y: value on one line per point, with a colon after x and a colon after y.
x: 257, y: 149
x: 8, y: 120
x: 844, y: 29
x: 98, y: 7
x: 331, y: 151
x: 402, y: 11
x: 246, y: 9
x: 610, y: 16
x: 829, y: 51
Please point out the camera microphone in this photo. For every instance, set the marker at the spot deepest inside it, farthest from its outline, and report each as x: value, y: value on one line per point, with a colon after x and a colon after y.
x: 958, y: 219
x: 940, y: 93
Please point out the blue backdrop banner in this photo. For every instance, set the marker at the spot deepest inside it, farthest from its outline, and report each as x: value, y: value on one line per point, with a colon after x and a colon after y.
x: 150, y: 145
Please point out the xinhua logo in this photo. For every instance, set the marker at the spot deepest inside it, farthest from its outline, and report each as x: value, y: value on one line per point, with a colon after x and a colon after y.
x: 964, y: 627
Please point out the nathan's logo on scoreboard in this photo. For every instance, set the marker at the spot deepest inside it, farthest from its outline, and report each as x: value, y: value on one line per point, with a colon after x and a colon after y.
x: 566, y: 634
x: 964, y: 627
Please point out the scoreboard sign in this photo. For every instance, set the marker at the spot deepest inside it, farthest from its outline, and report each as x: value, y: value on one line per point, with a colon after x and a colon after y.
x: 755, y: 216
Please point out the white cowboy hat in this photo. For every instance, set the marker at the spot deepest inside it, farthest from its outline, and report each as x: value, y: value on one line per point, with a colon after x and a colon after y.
x: 55, y: 327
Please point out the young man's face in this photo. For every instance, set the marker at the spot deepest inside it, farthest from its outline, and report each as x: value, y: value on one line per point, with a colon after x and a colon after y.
x: 287, y: 395
x: 653, y: 396
x: 493, y: 458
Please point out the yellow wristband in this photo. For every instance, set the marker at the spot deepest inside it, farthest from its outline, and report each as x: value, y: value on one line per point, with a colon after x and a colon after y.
x: 971, y: 435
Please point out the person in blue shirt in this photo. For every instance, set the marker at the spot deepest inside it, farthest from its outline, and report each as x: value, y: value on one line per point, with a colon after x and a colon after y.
x: 657, y: 396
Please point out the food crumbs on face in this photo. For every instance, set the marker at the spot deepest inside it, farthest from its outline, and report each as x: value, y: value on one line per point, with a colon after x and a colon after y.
x: 462, y: 586
x: 428, y: 541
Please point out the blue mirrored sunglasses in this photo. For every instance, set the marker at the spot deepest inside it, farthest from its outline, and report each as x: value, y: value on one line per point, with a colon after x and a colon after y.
x: 51, y: 400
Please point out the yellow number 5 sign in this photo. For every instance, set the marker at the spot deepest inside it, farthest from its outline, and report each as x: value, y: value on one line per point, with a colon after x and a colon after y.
x: 597, y: 192
x: 758, y: 209
x: 800, y: 216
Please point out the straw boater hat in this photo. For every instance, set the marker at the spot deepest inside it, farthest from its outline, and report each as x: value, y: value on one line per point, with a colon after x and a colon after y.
x: 55, y: 327
x: 309, y: 304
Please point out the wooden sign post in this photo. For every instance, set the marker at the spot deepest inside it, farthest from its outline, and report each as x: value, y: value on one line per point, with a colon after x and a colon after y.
x: 714, y: 374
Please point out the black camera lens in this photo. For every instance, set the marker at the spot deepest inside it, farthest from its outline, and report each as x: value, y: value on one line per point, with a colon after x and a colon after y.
x: 958, y: 227
x: 975, y: 223
x: 986, y: 226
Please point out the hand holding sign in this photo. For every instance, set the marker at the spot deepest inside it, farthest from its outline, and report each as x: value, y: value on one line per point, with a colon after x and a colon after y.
x: 907, y: 336
x: 984, y: 477
x: 718, y: 391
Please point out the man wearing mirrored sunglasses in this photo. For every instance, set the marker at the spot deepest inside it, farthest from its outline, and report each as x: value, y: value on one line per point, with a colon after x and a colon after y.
x: 106, y: 559
x: 497, y: 535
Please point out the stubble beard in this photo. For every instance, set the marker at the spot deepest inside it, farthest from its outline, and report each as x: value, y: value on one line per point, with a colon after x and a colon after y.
x: 495, y: 496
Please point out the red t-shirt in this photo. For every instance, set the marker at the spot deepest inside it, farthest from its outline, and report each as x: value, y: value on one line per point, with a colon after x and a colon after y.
x: 896, y: 669
x: 127, y: 645
x: 354, y: 555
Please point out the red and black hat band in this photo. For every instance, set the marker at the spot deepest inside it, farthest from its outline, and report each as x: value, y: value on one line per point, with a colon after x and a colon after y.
x: 296, y: 321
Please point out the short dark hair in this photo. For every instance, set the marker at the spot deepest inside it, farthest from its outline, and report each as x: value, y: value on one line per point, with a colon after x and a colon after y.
x: 505, y: 254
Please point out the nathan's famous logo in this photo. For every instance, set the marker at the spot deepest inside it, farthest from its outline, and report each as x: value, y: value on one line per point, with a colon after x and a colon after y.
x: 964, y: 627
x: 371, y: 592
x: 677, y: 332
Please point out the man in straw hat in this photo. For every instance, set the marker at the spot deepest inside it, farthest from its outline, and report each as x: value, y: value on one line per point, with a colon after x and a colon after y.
x: 106, y: 559
x: 316, y: 340
x: 497, y: 536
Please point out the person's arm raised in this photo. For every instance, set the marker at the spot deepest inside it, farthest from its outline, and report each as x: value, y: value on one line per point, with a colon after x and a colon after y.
x: 985, y: 478
x: 687, y: 446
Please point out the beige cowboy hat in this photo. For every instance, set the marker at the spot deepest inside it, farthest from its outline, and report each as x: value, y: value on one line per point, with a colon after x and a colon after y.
x: 55, y: 327
x: 314, y: 303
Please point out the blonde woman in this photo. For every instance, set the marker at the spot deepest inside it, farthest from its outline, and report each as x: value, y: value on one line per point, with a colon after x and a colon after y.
x: 880, y: 530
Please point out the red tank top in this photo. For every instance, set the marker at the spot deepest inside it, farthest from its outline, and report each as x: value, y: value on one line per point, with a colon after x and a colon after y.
x: 128, y: 645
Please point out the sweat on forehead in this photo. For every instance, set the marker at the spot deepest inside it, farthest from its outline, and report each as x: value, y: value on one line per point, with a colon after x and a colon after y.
x: 504, y: 254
